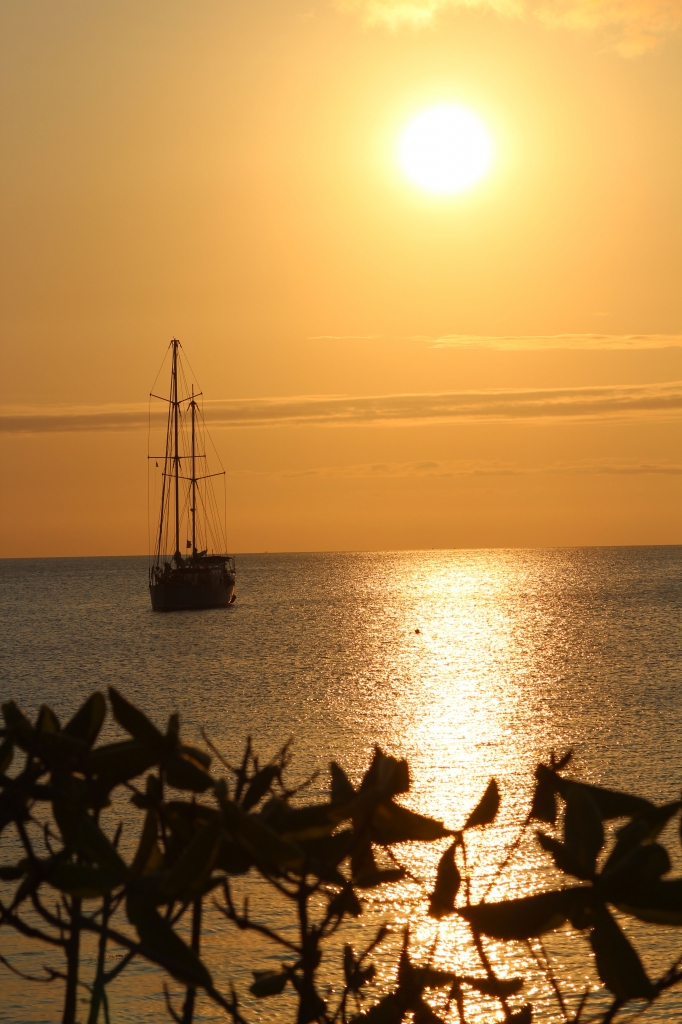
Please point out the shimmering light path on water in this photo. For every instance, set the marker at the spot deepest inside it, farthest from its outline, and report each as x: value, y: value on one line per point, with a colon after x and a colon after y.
x: 469, y: 663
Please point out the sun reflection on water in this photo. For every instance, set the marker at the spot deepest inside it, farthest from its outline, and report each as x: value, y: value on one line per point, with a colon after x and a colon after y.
x: 469, y: 695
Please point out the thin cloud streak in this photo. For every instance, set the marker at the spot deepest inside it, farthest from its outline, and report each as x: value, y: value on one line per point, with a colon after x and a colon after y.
x: 526, y: 342
x: 542, y: 342
x: 557, y: 403
x: 633, y: 26
x: 448, y: 469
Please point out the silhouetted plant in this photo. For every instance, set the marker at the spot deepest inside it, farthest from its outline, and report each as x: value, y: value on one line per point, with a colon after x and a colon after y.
x: 72, y: 879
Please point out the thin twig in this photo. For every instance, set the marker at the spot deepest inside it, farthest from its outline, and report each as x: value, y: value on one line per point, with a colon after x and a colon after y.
x: 98, y: 985
x: 291, y: 894
x: 488, y: 967
x: 169, y: 1005
x: 510, y: 853
x: 467, y: 879
x: 581, y: 1005
x: 408, y: 874
x: 211, y: 745
x: 28, y: 977
x: 123, y: 962
x: 244, y: 922
x: 29, y: 931
x: 243, y: 769
x: 168, y: 964
x: 105, y: 1003
x: 546, y: 968
x: 303, y: 785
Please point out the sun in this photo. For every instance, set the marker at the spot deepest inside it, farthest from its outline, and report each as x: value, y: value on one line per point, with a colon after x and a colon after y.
x: 445, y: 149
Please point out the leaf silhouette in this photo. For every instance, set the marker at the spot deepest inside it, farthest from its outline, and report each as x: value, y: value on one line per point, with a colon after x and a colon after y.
x: 18, y: 725
x: 87, y: 722
x: 495, y: 986
x: 544, y: 807
x: 163, y: 945
x: 618, y: 964
x: 423, y: 1014
x: 341, y: 787
x: 135, y: 722
x: 522, y: 918
x: 82, y: 881
x: 262, y: 842
x: 6, y: 755
x: 93, y: 843
x: 268, y: 983
x: 118, y: 762
x: 642, y: 867
x: 47, y: 721
x: 611, y: 802
x: 386, y: 774
x: 392, y: 823
x: 148, y: 841
x: 447, y: 885
x: 195, y: 862
x: 486, y: 810
x: 259, y: 786
x: 657, y: 904
x: 183, y: 772
x: 389, y: 1010
x: 583, y: 829
x: 563, y: 857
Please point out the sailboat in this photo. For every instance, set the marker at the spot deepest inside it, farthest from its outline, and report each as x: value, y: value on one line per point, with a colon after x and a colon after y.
x: 204, y: 575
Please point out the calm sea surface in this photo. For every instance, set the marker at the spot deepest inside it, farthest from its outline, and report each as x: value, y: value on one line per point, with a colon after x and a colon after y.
x: 468, y: 663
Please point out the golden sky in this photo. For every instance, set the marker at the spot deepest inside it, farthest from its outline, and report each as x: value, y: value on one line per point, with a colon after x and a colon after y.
x: 383, y: 367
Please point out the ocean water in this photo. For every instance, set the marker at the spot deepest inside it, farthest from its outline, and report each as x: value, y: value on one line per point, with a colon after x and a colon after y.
x: 471, y: 664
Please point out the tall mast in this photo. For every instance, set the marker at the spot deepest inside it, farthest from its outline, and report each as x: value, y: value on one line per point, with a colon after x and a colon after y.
x: 194, y: 483
x: 176, y: 408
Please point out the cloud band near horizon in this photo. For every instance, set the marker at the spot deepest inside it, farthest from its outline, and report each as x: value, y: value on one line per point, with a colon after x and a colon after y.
x: 332, y: 410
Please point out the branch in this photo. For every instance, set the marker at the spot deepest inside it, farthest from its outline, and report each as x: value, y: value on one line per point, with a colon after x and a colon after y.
x: 169, y: 1005
x: 28, y: 930
x: 51, y: 975
x: 242, y: 771
x: 123, y: 962
x: 303, y: 785
x: 581, y: 1006
x: 408, y: 874
x: 488, y: 968
x: 211, y: 745
x: 167, y: 963
x: 98, y: 984
x: 244, y: 923
x: 510, y: 853
x: 52, y: 919
x: 672, y: 977
x: 545, y: 966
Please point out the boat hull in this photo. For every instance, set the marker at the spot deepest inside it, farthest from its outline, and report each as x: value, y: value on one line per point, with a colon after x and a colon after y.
x: 175, y: 597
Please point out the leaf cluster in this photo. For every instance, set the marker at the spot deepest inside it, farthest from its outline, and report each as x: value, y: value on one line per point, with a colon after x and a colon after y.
x: 201, y: 831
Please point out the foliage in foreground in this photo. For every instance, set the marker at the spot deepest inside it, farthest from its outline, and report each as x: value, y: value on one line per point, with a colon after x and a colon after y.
x: 320, y: 856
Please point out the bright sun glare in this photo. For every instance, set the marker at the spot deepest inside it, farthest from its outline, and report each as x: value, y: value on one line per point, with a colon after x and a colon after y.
x: 445, y: 149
